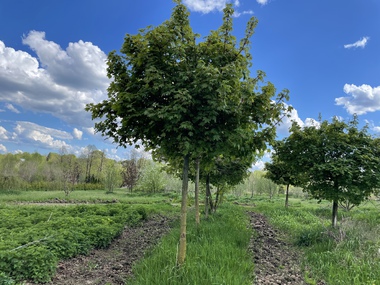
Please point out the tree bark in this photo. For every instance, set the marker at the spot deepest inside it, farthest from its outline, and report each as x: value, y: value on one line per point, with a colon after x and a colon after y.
x: 208, y: 202
x: 182, y: 239
x: 334, y: 213
x: 217, y: 199
x: 287, y: 196
x: 197, y: 219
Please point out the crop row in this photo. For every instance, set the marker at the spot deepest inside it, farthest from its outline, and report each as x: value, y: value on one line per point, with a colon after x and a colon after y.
x: 34, y: 238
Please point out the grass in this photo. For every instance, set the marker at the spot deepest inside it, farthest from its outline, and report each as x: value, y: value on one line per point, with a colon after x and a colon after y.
x: 217, y: 250
x: 216, y: 253
x: 349, y: 254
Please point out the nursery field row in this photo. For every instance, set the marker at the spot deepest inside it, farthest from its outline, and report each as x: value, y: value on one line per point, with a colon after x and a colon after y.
x: 34, y: 238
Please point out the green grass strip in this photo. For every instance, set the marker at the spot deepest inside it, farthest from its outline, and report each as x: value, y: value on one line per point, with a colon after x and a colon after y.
x: 349, y: 254
x: 216, y: 253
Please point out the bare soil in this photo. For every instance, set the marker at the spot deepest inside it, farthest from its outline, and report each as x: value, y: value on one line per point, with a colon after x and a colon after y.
x: 276, y: 262
x: 112, y: 266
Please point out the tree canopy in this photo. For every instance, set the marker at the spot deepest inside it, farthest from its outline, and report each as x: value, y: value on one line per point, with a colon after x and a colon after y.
x: 186, y: 98
x: 339, y: 161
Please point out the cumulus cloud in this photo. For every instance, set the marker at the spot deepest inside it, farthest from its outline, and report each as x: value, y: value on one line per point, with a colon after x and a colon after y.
x: 41, y: 136
x: 360, y: 43
x: 372, y: 126
x: 362, y: 99
x: 260, y: 164
x: 262, y: 2
x: 376, y: 129
x: 3, y: 148
x: 207, y: 6
x: 3, y: 134
x: 58, y: 82
x: 90, y: 130
x: 77, y: 134
x: 283, y: 128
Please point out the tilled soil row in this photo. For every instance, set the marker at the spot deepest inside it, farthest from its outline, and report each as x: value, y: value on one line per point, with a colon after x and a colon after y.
x: 114, y: 264
x: 275, y: 262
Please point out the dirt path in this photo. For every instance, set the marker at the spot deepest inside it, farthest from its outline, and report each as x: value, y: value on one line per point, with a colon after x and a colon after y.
x: 275, y: 261
x: 114, y: 264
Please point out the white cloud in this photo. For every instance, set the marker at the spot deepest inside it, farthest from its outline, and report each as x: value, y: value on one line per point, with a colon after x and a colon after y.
x: 363, y: 99
x: 360, y: 43
x: 284, y: 126
x: 90, y: 130
x: 3, y: 133
x: 207, y: 6
x: 77, y: 134
x: 309, y: 122
x: 3, y: 148
x: 260, y: 164
x: 262, y: 2
x: 12, y: 108
x: 23, y: 126
x: 376, y: 129
x: 371, y: 125
x: 40, y: 136
x: 238, y: 14
x: 59, y: 82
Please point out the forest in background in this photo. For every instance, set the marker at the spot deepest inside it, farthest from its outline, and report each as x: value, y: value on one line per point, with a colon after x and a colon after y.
x: 92, y: 170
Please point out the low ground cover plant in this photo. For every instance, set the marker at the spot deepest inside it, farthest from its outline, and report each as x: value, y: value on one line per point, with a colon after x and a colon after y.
x: 34, y: 238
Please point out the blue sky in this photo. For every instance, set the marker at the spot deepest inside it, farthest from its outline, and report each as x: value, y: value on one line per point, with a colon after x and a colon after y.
x: 53, y: 53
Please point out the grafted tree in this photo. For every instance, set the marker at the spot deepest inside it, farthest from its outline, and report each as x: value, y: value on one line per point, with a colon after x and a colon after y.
x: 339, y: 161
x: 188, y: 98
x: 280, y: 172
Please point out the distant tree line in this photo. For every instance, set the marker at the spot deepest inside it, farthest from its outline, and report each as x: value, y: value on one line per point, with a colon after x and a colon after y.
x: 89, y: 171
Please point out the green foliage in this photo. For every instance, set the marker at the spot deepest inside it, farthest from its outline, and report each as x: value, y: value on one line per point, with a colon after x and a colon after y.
x: 112, y: 177
x: 5, y: 279
x: 52, y: 172
x: 333, y: 161
x: 34, y: 239
x: 152, y: 178
x: 180, y: 96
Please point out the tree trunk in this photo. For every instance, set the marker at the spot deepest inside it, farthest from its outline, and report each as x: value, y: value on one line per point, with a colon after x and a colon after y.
x: 287, y: 196
x: 216, y: 199
x: 208, y: 202
x: 182, y: 239
x: 334, y: 213
x: 197, y: 219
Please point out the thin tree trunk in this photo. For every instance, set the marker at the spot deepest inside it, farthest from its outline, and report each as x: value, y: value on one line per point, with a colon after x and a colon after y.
x: 217, y: 199
x: 208, y: 196
x: 197, y: 219
x: 334, y: 213
x: 182, y: 239
x: 287, y: 196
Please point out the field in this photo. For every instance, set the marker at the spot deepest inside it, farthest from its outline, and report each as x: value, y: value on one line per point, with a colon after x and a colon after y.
x: 46, y: 237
